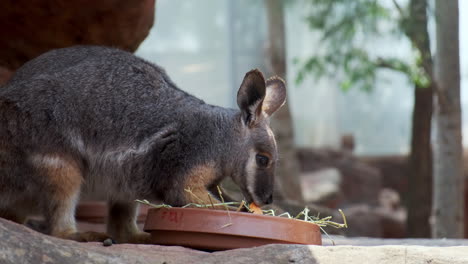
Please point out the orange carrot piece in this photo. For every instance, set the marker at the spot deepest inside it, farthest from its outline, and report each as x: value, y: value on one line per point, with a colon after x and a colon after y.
x: 255, y: 209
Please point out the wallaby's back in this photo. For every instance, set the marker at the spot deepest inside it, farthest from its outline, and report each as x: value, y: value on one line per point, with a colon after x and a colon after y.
x: 105, y: 93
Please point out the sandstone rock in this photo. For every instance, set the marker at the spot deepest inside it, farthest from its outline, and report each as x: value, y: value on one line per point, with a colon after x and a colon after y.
x: 363, y: 220
x: 394, y: 170
x: 369, y: 241
x: 21, y: 245
x: 29, y: 28
x: 342, y: 254
x: 386, y: 219
x: 312, y: 159
x: 322, y: 186
x: 360, y: 183
x: 392, y: 214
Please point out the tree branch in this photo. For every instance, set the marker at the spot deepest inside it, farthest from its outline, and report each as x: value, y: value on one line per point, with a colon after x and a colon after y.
x: 387, y: 64
x: 398, y: 7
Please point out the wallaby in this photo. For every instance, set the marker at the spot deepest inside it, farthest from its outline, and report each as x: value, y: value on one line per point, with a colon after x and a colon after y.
x: 103, y: 122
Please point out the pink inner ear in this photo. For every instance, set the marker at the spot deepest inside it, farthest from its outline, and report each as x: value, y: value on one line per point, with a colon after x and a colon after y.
x: 275, y: 95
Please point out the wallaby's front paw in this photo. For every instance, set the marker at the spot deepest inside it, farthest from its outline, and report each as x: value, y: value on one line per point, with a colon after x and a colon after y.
x: 86, y: 236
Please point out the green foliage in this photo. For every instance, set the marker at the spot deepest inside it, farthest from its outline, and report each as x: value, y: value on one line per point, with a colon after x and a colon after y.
x: 344, y: 27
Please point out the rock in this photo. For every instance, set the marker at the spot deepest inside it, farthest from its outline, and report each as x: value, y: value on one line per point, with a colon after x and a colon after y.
x: 360, y: 183
x: 322, y: 186
x: 394, y: 170
x: 363, y: 220
x: 337, y: 179
x: 392, y: 214
x: 387, y: 220
x: 32, y: 28
x: 341, y: 254
x: 21, y: 245
x: 389, y: 199
x: 294, y: 208
x: 108, y: 242
x: 368, y: 241
x: 312, y: 159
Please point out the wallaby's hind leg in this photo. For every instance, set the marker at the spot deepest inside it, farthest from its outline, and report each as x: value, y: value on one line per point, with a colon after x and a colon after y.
x: 62, y: 179
x: 121, y: 223
x: 15, y: 204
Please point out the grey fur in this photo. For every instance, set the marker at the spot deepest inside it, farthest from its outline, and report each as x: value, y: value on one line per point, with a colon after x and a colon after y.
x: 131, y: 131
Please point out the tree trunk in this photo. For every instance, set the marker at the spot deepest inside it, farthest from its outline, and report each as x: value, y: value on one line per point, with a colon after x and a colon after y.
x: 420, y: 177
x: 420, y: 166
x: 288, y: 169
x: 448, y: 210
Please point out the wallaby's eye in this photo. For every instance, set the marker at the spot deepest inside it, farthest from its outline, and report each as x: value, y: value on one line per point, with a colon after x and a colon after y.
x: 262, y: 161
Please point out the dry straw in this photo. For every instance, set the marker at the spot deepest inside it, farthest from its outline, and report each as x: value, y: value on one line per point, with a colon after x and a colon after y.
x: 304, y: 215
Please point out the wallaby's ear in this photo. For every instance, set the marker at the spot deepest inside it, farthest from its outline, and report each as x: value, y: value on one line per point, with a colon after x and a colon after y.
x: 275, y: 95
x: 250, y: 96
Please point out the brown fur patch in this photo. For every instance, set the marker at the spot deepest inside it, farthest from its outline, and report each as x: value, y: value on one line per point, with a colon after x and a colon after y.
x: 198, y: 179
x: 61, y: 174
x: 62, y: 178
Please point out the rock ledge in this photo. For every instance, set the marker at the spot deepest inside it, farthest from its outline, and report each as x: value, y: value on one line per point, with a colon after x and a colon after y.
x: 19, y: 244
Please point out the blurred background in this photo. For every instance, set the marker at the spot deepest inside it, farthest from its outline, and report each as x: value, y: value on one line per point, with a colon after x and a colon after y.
x: 208, y: 46
x: 358, y: 132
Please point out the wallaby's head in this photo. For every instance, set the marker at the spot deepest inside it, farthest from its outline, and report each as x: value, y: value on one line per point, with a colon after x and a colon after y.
x: 258, y: 100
